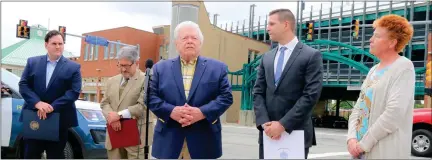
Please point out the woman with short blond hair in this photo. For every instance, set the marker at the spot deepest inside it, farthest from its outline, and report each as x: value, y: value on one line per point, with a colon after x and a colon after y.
x: 380, y: 125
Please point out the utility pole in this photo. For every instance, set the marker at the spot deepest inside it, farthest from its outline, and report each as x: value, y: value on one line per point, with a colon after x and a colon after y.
x: 215, y: 19
x: 251, y: 19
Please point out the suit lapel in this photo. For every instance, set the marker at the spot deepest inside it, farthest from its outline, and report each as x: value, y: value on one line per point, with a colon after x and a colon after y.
x: 178, y: 78
x: 271, y: 67
x: 116, y: 89
x: 43, y: 68
x: 199, y: 71
x: 57, y: 70
x: 291, y: 60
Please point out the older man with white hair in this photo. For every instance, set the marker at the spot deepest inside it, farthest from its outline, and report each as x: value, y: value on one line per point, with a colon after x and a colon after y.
x: 124, y: 99
x: 188, y: 95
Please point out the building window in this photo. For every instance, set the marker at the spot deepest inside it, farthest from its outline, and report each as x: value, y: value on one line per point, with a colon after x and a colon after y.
x: 106, y: 51
x: 118, y: 48
x: 86, y: 96
x: 86, y: 52
x: 112, y: 51
x: 161, y: 50
x: 252, y: 54
x: 96, y: 52
x: 91, y: 52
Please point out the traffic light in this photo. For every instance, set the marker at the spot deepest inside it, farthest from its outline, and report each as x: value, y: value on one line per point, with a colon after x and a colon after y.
x: 309, y: 31
x: 23, y: 30
x: 62, y: 30
x: 355, y: 28
x: 428, y: 73
x: 20, y: 31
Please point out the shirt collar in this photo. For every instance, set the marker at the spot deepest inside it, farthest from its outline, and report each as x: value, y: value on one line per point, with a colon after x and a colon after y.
x: 192, y: 62
x: 124, y: 79
x: 290, y: 45
x: 48, y: 60
x: 137, y: 72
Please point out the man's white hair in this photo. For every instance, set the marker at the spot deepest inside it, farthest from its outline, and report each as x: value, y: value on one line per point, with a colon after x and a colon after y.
x: 189, y: 24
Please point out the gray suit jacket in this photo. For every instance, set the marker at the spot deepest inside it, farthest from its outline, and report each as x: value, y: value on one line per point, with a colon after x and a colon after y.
x: 290, y: 102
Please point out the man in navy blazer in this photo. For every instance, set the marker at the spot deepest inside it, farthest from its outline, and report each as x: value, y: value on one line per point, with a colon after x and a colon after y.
x: 188, y: 95
x: 51, y: 83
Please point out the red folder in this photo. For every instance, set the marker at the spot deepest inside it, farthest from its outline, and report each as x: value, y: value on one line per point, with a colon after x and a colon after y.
x: 127, y: 136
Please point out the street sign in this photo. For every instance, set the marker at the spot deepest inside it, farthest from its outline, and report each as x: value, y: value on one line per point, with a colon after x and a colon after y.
x: 96, y: 40
x: 353, y: 88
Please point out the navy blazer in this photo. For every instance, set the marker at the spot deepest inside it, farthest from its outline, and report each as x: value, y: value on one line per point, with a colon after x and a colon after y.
x: 210, y: 92
x: 63, y: 89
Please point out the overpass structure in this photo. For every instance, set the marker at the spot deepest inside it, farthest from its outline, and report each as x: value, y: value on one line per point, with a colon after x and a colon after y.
x: 341, y: 82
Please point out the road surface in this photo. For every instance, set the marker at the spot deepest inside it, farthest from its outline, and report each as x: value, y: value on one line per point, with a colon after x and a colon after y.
x: 241, y: 142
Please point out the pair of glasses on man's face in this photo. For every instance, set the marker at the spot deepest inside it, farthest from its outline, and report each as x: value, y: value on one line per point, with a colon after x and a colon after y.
x: 125, y: 66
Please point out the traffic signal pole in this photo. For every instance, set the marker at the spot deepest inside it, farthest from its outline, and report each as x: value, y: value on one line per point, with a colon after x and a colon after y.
x: 23, y: 31
x: 88, y: 37
x: 428, y: 74
x: 100, y: 38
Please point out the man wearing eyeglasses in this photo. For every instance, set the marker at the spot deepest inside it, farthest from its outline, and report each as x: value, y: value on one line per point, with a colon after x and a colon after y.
x: 123, y: 99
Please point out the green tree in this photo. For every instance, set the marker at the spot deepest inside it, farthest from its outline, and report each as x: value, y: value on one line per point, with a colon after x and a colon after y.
x: 418, y: 106
x: 344, y: 105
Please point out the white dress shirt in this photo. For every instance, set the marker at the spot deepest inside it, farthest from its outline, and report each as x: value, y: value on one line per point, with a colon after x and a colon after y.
x: 290, y: 48
x: 50, y: 69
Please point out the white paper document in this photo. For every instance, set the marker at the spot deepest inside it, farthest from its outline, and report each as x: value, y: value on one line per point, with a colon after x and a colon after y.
x: 289, y: 146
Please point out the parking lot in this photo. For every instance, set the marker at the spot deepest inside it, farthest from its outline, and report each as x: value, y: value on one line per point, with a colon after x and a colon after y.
x: 241, y: 142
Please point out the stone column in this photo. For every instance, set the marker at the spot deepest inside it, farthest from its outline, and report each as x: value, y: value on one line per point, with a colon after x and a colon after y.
x: 319, y: 109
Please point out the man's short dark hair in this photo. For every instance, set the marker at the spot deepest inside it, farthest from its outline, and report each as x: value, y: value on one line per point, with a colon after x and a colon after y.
x: 285, y: 15
x: 51, y: 34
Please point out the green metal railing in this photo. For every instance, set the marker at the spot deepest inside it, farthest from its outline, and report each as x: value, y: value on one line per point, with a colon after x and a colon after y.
x: 234, y: 79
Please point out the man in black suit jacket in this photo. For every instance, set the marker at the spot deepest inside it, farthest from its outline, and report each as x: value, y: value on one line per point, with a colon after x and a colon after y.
x: 288, y: 84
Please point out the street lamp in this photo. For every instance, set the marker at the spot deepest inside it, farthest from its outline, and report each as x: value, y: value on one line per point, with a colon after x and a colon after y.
x: 98, y: 90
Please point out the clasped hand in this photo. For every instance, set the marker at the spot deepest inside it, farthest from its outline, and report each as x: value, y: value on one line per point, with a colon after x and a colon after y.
x: 114, y: 120
x: 354, y: 148
x: 273, y: 129
x: 186, y: 115
x: 43, y: 109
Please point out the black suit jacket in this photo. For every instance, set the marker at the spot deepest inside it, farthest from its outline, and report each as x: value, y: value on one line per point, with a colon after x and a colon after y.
x: 290, y: 102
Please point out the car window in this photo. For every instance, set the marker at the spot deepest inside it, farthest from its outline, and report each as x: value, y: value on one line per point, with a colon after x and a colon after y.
x: 7, y: 92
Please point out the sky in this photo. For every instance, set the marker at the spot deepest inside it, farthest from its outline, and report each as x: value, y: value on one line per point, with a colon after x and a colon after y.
x: 84, y: 17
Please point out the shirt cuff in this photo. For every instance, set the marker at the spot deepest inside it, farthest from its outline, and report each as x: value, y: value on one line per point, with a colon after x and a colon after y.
x: 125, y: 113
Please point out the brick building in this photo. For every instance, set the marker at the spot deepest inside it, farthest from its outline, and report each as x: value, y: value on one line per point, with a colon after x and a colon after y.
x: 100, y: 62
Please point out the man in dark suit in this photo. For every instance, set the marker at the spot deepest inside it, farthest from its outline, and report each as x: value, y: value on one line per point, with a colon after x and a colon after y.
x: 288, y: 84
x: 188, y: 95
x: 51, y: 83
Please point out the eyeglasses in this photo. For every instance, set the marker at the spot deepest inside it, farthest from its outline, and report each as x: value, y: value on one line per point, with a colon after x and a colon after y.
x: 124, y: 66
